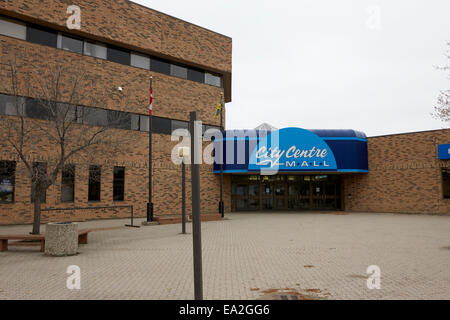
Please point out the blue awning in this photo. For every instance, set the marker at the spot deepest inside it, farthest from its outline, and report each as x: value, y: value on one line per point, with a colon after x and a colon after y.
x: 292, y: 150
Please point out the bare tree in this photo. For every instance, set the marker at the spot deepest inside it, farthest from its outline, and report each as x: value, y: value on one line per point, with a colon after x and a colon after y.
x: 442, y: 108
x: 64, y: 130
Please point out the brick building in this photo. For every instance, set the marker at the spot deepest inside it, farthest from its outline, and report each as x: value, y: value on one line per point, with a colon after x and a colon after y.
x: 123, y: 44
x: 402, y: 173
x: 120, y: 44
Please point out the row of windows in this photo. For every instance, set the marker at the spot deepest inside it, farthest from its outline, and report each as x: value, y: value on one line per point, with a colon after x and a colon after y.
x: 7, y: 182
x: 52, y: 38
x: 32, y: 108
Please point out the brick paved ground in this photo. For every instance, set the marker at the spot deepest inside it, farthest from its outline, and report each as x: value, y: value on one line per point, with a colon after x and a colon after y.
x: 249, y: 256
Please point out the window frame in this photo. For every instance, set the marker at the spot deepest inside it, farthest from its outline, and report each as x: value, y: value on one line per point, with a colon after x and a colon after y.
x: 444, y: 180
x: 99, y: 177
x: 14, y: 23
x: 44, y: 31
x: 60, y: 39
x: 72, y: 169
x: 119, y: 180
x: 11, y: 176
x: 140, y: 58
x: 117, y: 51
x: 96, y: 44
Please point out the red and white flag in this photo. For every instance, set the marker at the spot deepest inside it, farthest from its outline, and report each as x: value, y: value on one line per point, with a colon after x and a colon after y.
x: 150, y: 106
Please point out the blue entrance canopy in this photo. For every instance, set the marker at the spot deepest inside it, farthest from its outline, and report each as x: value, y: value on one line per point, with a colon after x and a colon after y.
x: 444, y: 151
x: 291, y: 150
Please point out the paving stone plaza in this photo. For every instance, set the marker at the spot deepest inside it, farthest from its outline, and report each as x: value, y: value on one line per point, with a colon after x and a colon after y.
x: 246, y: 256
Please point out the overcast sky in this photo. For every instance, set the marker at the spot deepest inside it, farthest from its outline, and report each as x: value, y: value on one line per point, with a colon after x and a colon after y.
x: 328, y: 63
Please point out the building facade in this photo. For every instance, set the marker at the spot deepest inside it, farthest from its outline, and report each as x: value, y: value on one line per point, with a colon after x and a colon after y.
x: 296, y: 169
x: 122, y: 45
x: 119, y: 44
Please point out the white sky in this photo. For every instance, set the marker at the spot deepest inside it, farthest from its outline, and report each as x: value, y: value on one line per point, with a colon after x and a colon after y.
x: 327, y: 64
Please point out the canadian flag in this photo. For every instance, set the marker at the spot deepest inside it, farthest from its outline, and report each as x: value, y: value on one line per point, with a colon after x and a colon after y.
x: 150, y: 106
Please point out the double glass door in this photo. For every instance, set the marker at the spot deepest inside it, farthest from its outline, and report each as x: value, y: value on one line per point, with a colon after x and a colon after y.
x: 283, y: 192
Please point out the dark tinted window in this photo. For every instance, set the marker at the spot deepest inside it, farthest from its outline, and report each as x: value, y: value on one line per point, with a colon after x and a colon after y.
x: 68, y: 183
x: 34, y: 109
x: 119, y: 120
x: 161, y: 125
x: 7, y: 181
x: 160, y: 66
x: 42, y: 36
x: 176, y: 124
x: 118, y: 55
x: 94, y: 183
x: 119, y: 184
x: 196, y: 75
x: 446, y: 183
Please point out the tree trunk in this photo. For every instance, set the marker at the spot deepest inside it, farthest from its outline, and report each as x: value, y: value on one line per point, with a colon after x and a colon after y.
x: 37, y: 214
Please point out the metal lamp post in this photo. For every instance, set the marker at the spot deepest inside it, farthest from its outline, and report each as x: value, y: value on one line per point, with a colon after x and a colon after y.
x: 183, y: 153
x: 196, y: 132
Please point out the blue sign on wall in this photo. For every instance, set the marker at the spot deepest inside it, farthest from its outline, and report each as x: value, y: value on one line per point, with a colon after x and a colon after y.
x: 292, y: 149
x: 444, y: 151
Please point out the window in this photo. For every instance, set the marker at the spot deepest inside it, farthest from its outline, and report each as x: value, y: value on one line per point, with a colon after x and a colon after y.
x: 178, y: 71
x: 119, y: 120
x: 209, y: 132
x: 68, y: 183
x: 95, y: 117
x: 446, y: 183
x: 39, y: 173
x: 7, y: 181
x: 161, y: 125
x: 140, y: 61
x: 176, y: 124
x: 118, y: 55
x: 12, y: 28
x: 9, y: 107
x: 160, y: 66
x: 119, y: 184
x: 135, y: 121
x: 144, y: 123
x: 70, y: 44
x: 34, y: 109
x: 42, y: 36
x: 95, y: 50
x: 94, y: 183
x: 212, y: 79
x: 196, y: 75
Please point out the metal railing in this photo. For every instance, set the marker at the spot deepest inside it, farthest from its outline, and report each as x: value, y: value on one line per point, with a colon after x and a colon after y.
x: 98, y: 207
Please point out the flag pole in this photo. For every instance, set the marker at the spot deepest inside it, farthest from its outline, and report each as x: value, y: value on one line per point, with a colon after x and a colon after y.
x: 221, y: 205
x: 150, y: 111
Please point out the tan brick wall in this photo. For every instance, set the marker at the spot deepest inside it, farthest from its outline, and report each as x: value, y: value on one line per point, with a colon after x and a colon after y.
x: 173, y: 98
x: 404, y: 175
x: 128, y: 23
x: 166, y: 183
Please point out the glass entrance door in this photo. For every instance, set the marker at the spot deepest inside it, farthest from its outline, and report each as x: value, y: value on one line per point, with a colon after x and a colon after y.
x: 284, y: 192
